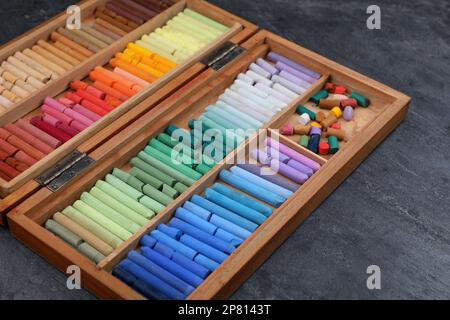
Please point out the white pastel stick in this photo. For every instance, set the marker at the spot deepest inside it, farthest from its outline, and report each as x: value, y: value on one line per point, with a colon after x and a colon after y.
x: 255, y: 68
x: 257, y: 78
x: 278, y: 87
x: 244, y: 108
x: 288, y: 84
x: 273, y: 93
x: 245, y: 78
x: 249, y: 118
x: 245, y: 85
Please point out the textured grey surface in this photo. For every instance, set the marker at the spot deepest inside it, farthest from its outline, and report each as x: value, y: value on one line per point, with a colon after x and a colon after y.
x: 394, y: 211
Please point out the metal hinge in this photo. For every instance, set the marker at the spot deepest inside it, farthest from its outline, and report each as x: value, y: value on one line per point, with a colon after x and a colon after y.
x: 220, y: 57
x: 64, y: 171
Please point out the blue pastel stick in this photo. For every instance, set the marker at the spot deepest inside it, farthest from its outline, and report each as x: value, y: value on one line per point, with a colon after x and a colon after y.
x: 147, y: 241
x: 272, y: 187
x: 172, y: 267
x: 180, y: 259
x: 203, y: 248
x: 196, y: 221
x: 234, y: 206
x: 230, y: 227
x: 197, y: 210
x: 228, y: 237
x: 174, y: 244
x: 161, y: 273
x: 211, y: 265
x: 202, y: 236
x: 191, y: 265
x: 239, y: 197
x: 147, y: 291
x: 252, y: 189
x: 152, y: 280
x: 164, y: 250
x: 171, y: 232
x: 124, y: 276
x: 224, y: 213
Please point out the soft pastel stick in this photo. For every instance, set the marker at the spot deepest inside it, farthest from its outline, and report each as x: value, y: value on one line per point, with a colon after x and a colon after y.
x: 41, y: 135
x: 271, y: 176
x: 266, y: 66
x: 293, y: 154
x: 275, y: 57
x: 299, y: 74
x: 230, y: 227
x: 289, y: 85
x: 201, y: 247
x: 25, y: 136
x: 299, y: 82
x: 196, y: 221
x: 175, y: 245
x: 86, y: 112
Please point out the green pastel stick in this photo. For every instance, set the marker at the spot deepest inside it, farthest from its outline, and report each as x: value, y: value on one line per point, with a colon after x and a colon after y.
x: 236, y: 121
x: 166, y: 166
x: 191, y: 20
x: 123, y: 187
x: 146, y: 178
x: 195, y: 29
x: 157, y: 195
x: 128, y: 179
x: 149, y: 169
x: 110, y: 213
x: 167, y: 140
x: 181, y: 188
x: 219, y: 120
x: 93, y: 227
x: 178, y: 27
x: 126, y: 200
x: 362, y: 101
x: 203, y: 169
x: 170, y: 192
x: 180, y: 157
x: 90, y: 253
x: 205, y: 20
x: 184, y: 136
x: 106, y: 223
x: 118, y: 206
x: 152, y: 204
x: 230, y: 138
x: 63, y: 233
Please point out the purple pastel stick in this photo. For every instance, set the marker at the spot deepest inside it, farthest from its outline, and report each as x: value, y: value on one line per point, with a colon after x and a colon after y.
x: 300, y: 167
x: 315, y: 131
x: 284, y: 67
x: 288, y: 84
x: 259, y: 70
x: 294, y: 79
x: 273, y: 153
x: 274, y: 178
x: 275, y: 57
x: 267, y: 66
x: 348, y: 113
x: 293, y: 154
x: 279, y: 167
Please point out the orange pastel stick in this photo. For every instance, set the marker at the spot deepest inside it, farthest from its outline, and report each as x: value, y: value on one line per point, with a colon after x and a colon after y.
x: 133, y: 70
x: 113, y: 101
x: 97, y: 76
x: 115, y: 77
x: 123, y: 89
x: 110, y: 91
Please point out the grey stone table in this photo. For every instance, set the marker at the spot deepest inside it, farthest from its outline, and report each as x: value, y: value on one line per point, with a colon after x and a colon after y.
x: 394, y: 211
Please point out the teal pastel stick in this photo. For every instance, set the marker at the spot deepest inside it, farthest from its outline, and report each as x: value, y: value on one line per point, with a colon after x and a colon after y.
x: 238, y: 122
x: 229, y: 139
x: 180, y: 157
x: 224, y: 213
x: 272, y: 187
x: 246, y: 201
x: 235, y: 207
x: 223, y: 125
x: 250, y: 188
x: 218, y: 119
x: 183, y: 136
x: 168, y: 161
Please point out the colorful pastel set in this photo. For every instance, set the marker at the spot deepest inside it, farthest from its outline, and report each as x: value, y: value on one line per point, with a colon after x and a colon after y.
x: 175, y: 258
x: 129, y: 73
x: 92, y: 174
x: 29, y: 70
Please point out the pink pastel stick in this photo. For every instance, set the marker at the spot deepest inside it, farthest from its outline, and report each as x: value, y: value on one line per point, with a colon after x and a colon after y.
x: 67, y: 102
x: 78, y: 126
x: 78, y: 117
x: 38, y: 133
x: 51, y: 120
x: 54, y: 104
x: 86, y: 112
x: 56, y: 114
x: 293, y: 154
x: 68, y: 129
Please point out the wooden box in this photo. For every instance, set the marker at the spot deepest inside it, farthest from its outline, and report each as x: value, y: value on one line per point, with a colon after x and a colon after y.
x: 22, y: 186
x: 388, y: 108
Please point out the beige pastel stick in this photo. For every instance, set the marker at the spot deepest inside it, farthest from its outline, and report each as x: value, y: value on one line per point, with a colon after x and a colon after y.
x: 9, y: 77
x: 36, y: 65
x: 50, y: 56
x: 72, y: 35
x: 68, y: 38
x: 101, y: 36
x: 44, y: 61
x: 21, y: 93
x: 84, y: 234
x: 59, y: 53
x: 22, y: 84
x: 2, y: 107
x: 25, y: 68
x: 10, y: 96
x: 91, y: 39
x: 15, y: 71
x: 69, y: 51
